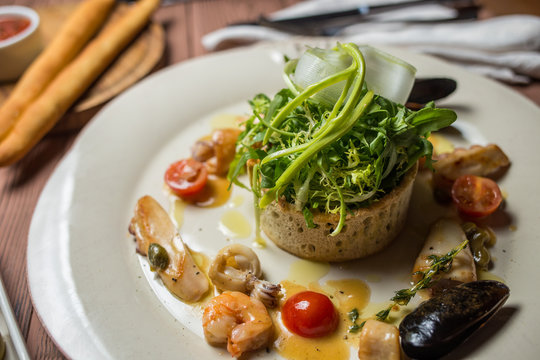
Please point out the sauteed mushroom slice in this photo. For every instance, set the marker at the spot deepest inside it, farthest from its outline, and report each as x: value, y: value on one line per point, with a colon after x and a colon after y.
x: 158, y: 239
x: 237, y: 268
x: 486, y: 161
x: 476, y: 160
x: 445, y: 235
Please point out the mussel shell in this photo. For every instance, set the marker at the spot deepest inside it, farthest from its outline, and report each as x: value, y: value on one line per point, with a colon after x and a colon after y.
x: 441, y: 323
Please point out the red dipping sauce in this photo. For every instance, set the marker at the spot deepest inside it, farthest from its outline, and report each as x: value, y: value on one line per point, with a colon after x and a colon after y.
x: 12, y: 25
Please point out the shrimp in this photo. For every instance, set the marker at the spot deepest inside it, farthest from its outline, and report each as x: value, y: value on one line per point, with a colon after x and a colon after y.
x: 218, y: 152
x: 235, y: 319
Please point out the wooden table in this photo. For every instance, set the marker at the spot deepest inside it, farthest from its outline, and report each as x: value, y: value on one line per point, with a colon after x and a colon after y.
x: 20, y: 184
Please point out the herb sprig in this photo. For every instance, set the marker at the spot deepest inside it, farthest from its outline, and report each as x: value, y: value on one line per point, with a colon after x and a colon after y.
x: 353, y: 316
x: 438, y: 265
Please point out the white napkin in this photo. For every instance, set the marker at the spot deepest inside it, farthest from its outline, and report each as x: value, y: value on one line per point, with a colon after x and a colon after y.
x: 506, y: 48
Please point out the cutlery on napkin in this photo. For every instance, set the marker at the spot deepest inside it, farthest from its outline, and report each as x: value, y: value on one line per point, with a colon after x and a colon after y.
x: 506, y: 47
x: 331, y: 21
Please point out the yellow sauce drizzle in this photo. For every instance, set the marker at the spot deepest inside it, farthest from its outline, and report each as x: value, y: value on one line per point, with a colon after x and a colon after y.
x: 177, y: 212
x: 234, y: 224
x: 304, y: 272
x: 441, y: 145
x: 350, y: 293
x: 203, y: 262
x: 214, y: 194
x: 237, y: 201
x: 225, y: 121
x: 259, y: 242
x: 396, y: 315
x: 346, y: 295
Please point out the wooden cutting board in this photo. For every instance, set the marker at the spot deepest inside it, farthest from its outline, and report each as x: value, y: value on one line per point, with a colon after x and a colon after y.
x: 142, y: 56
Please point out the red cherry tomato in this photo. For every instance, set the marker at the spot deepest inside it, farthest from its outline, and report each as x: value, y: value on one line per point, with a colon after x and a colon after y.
x: 186, y: 177
x: 310, y: 314
x: 476, y: 196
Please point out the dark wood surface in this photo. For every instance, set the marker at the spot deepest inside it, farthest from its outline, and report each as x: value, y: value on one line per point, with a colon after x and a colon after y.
x: 20, y: 184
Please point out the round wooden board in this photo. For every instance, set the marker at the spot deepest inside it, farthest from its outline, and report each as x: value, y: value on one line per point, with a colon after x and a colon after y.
x: 141, y: 56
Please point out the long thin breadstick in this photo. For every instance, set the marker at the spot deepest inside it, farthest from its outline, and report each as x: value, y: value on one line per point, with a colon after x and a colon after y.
x: 74, y: 34
x: 43, y: 113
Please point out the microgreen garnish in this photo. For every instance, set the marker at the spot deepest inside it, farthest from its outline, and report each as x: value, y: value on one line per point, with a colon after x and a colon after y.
x: 332, y: 156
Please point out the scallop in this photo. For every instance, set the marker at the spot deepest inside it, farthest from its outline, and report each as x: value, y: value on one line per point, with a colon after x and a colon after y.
x: 440, y: 324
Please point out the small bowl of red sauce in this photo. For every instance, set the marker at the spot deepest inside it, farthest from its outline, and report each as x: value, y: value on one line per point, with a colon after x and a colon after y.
x: 20, y: 41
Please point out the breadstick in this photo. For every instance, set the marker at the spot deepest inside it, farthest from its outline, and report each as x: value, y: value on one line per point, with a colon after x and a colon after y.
x: 71, y: 82
x: 74, y: 34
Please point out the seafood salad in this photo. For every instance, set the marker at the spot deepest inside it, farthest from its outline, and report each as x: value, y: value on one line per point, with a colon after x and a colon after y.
x: 337, y: 142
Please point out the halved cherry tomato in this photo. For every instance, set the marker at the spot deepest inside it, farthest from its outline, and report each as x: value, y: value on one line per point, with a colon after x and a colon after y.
x: 310, y: 314
x: 186, y: 177
x: 476, y: 196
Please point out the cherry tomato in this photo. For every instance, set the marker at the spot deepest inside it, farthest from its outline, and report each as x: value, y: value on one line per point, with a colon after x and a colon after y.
x: 310, y: 314
x: 476, y: 196
x: 186, y: 177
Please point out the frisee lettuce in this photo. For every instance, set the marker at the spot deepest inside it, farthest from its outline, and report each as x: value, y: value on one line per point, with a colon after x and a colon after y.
x: 337, y: 157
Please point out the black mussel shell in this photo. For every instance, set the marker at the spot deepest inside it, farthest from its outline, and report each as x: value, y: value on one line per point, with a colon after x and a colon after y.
x: 441, y: 323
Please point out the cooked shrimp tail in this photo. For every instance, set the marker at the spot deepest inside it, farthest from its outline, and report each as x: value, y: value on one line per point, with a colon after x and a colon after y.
x: 240, y: 321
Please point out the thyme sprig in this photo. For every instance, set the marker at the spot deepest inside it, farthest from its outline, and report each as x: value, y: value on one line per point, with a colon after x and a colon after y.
x: 439, y: 264
x: 353, y: 316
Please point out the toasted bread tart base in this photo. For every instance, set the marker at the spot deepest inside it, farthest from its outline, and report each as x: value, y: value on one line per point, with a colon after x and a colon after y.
x: 366, y: 231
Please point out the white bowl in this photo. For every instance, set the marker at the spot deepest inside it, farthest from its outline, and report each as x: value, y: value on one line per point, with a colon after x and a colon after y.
x: 19, y: 50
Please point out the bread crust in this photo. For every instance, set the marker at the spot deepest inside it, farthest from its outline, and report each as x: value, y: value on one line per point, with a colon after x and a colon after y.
x: 367, y: 230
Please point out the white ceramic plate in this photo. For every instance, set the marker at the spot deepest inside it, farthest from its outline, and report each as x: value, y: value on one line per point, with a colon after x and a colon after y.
x: 98, y: 302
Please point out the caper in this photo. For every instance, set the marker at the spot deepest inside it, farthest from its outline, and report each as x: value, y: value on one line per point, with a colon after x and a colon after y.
x: 469, y: 228
x: 480, y: 239
x: 484, y: 258
x: 492, y: 238
x: 479, y: 250
x: 157, y: 256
